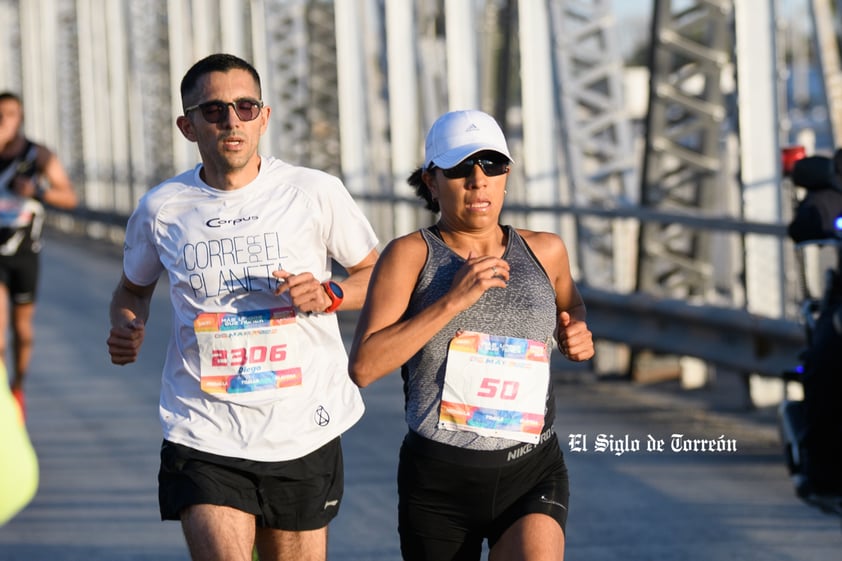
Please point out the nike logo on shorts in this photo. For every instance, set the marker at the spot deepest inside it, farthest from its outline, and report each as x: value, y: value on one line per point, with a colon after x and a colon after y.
x: 544, y: 499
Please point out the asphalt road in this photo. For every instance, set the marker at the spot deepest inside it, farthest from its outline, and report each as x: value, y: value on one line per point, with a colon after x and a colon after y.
x: 95, y: 429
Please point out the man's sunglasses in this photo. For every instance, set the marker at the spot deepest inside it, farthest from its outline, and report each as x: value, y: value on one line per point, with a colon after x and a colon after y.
x: 246, y: 108
x: 465, y: 168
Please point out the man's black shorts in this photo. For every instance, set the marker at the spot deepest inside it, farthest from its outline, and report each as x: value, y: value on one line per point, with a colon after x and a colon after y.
x: 296, y: 495
x: 20, y: 274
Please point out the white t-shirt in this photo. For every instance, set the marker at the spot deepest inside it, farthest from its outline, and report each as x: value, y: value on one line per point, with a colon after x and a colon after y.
x: 276, y: 383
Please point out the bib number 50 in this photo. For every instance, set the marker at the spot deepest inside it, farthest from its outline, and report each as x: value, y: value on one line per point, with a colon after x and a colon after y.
x: 489, y: 387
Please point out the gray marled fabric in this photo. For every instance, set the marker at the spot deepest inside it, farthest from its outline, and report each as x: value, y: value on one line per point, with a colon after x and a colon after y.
x: 525, y: 309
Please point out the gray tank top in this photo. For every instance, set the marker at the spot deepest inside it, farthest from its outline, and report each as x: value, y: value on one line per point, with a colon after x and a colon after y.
x: 525, y: 309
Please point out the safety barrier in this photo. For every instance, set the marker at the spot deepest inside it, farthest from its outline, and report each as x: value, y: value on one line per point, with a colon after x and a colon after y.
x: 730, y: 338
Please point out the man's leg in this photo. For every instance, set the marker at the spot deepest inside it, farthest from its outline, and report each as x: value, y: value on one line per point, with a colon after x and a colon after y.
x: 218, y: 533
x: 281, y: 545
x: 4, y: 326
x: 23, y: 335
x: 303, y: 497
x: 23, y: 338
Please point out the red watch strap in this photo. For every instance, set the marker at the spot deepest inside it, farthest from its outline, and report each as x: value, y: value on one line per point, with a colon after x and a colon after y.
x: 335, y: 299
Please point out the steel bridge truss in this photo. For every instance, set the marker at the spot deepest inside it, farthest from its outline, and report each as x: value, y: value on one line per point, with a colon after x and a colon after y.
x: 597, y: 136
x: 682, y: 167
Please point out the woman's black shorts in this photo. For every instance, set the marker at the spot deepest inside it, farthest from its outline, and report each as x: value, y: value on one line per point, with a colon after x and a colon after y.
x: 450, y: 499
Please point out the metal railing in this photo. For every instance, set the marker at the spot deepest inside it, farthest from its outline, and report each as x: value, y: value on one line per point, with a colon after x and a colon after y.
x: 727, y: 337
x: 732, y: 339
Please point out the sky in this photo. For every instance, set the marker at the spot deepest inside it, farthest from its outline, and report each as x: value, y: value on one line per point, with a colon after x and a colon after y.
x: 633, y: 16
x: 637, y: 8
x: 643, y: 8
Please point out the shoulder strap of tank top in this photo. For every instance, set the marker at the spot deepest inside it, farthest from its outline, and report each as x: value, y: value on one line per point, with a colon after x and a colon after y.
x: 29, y: 161
x: 434, y: 229
x: 22, y: 164
x: 516, y: 236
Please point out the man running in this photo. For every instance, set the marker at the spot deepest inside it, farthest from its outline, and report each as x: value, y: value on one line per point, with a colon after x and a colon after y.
x: 30, y: 176
x: 255, y: 388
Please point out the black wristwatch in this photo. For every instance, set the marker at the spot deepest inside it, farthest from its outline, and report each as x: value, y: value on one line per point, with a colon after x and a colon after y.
x: 335, y: 293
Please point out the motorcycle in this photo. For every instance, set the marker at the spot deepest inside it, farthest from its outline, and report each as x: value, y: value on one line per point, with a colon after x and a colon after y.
x: 811, y: 428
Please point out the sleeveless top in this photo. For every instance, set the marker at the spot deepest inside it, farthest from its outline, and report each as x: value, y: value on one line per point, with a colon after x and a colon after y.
x: 21, y: 218
x: 525, y: 309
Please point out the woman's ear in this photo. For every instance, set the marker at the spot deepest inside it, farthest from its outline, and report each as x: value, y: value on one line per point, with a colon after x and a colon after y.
x: 430, y: 181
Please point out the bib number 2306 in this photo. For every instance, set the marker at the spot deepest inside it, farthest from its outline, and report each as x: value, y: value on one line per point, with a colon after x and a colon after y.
x: 248, y: 351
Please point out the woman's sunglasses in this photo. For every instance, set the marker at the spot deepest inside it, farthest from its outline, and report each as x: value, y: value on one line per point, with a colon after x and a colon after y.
x: 465, y: 168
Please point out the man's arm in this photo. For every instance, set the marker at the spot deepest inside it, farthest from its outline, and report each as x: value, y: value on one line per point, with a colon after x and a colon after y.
x: 60, y: 193
x: 129, y: 311
x: 355, y: 286
x: 308, y: 295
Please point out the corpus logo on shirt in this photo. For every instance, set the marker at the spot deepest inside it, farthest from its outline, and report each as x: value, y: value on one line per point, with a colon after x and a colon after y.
x: 220, y: 222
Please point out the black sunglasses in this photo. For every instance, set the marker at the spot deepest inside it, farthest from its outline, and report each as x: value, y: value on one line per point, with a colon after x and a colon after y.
x: 465, y: 168
x: 246, y: 108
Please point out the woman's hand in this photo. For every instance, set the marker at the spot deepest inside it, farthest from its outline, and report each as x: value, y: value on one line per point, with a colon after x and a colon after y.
x: 575, y: 340
x: 477, y: 275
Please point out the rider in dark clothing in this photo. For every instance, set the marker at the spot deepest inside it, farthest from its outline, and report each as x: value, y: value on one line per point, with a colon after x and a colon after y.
x: 815, y: 220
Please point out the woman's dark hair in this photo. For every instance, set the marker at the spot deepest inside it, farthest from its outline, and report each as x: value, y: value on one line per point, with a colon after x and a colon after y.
x: 421, y: 189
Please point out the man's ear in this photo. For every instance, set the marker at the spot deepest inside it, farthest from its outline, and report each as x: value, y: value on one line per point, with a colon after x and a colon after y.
x: 185, y: 125
x: 264, y: 115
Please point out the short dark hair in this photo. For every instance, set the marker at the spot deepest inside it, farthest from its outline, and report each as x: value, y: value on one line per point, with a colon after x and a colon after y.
x: 217, y: 62
x: 4, y: 96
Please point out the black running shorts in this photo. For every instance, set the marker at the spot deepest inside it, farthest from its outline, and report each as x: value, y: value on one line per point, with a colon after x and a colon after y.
x: 296, y: 495
x: 450, y: 499
x: 20, y: 275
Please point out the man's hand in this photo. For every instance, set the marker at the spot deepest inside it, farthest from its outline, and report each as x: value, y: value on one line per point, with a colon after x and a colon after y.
x: 124, y: 341
x: 305, y: 291
x: 24, y: 186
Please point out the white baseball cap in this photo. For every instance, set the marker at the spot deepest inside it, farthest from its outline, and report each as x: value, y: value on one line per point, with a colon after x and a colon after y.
x: 459, y: 134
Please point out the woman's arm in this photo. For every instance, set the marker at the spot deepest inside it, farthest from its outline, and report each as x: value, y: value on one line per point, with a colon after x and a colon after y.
x: 575, y: 340
x: 383, y: 340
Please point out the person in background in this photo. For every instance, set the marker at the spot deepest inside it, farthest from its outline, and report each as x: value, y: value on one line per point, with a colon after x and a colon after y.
x: 468, y: 309
x: 255, y: 388
x: 18, y: 462
x: 31, y: 176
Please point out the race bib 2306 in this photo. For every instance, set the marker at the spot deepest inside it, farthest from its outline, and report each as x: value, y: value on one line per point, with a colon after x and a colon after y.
x: 248, y: 351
